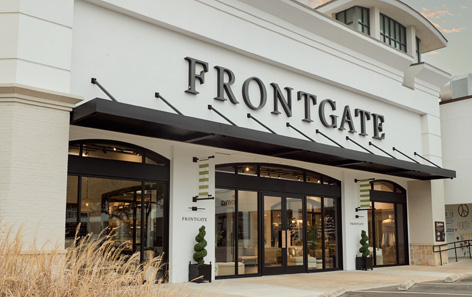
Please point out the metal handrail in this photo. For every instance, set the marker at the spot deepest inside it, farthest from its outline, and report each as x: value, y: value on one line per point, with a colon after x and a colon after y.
x: 462, y: 244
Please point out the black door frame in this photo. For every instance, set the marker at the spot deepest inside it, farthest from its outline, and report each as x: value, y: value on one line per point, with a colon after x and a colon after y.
x: 255, y: 183
x: 285, y: 268
x: 398, y: 200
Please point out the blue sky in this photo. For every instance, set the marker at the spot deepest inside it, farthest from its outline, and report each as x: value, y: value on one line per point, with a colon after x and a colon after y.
x: 454, y: 19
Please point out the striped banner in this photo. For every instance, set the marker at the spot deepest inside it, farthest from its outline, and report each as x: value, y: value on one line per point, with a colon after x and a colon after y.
x: 203, y: 177
x: 364, y: 192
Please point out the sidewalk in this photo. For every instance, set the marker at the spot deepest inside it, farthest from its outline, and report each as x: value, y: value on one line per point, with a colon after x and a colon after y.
x: 314, y: 284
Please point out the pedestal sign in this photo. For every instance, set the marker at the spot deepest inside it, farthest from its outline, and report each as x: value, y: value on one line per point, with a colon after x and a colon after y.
x: 439, y: 231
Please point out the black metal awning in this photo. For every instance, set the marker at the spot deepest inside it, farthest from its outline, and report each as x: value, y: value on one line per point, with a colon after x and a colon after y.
x: 126, y: 118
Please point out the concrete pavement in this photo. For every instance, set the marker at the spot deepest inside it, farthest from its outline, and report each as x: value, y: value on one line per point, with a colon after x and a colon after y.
x: 316, y: 284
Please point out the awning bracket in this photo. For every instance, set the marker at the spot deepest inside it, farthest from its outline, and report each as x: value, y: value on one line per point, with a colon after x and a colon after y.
x: 396, y: 150
x: 370, y: 143
x: 157, y: 95
x: 319, y: 132
x: 260, y: 123
x: 95, y: 82
x: 349, y: 139
x: 416, y: 154
x: 221, y: 115
x: 306, y: 136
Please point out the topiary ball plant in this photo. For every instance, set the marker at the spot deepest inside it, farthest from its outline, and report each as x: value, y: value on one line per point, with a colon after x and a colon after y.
x: 199, y: 248
x: 364, y: 249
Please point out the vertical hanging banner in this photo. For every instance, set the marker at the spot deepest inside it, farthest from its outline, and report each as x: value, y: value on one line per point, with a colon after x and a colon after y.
x: 364, y: 192
x: 203, y: 177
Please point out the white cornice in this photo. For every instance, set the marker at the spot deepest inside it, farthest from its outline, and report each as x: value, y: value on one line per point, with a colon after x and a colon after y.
x: 39, y: 97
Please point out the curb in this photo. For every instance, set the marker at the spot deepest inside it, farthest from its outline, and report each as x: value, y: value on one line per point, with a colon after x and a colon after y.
x: 333, y: 293
x: 406, y: 285
x: 454, y: 278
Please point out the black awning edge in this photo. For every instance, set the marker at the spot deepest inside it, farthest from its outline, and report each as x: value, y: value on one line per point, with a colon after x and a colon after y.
x: 126, y: 118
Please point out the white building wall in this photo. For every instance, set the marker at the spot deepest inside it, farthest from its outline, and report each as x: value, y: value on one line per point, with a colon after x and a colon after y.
x: 456, y: 117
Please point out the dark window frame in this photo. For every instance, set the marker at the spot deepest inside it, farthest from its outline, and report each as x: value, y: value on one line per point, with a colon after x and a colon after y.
x: 82, y: 167
x: 393, y: 33
x: 360, y: 18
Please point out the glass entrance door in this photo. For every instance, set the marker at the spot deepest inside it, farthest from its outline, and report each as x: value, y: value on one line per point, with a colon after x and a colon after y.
x: 387, y: 224
x: 283, y: 234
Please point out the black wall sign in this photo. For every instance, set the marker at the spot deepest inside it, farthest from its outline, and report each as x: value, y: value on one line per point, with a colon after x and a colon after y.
x: 328, y: 112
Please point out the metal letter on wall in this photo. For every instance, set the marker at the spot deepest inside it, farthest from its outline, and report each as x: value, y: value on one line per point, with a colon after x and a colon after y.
x: 347, y: 118
x: 225, y: 87
x: 279, y: 97
x: 262, y: 89
x: 307, y: 97
x: 334, y: 121
x: 192, y: 76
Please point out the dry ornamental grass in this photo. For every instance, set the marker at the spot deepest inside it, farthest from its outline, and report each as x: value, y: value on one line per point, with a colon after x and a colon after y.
x: 90, y: 267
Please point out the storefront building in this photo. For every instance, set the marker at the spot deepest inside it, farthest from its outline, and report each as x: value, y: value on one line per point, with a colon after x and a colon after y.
x: 283, y: 130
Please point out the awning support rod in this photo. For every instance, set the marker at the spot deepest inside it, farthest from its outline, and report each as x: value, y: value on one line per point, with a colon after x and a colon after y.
x: 406, y: 155
x: 251, y: 117
x: 370, y: 143
x: 290, y: 126
x: 95, y: 82
x: 221, y: 115
x: 416, y: 154
x: 319, y: 132
x: 349, y: 139
x: 157, y: 95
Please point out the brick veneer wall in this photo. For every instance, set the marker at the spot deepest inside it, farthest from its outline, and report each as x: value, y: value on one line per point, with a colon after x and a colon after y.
x: 424, y: 255
x: 34, y: 133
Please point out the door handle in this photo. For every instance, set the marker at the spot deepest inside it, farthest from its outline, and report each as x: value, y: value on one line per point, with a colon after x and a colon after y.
x: 289, y: 238
x: 284, y: 239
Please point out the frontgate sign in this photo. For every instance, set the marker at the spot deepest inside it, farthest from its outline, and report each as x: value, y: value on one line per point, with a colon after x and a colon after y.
x: 328, y: 113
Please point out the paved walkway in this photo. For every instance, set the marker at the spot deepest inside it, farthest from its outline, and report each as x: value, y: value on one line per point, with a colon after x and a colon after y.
x: 315, y: 284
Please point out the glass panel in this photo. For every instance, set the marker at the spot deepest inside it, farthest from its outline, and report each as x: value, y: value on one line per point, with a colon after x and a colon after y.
x: 109, y: 204
x: 350, y: 16
x: 154, y: 197
x: 224, y: 232
x: 341, y: 16
x: 113, y: 152
x: 247, y: 169
x: 272, y: 231
x: 74, y: 149
x: 384, y: 186
x: 72, y: 210
x: 330, y: 233
x: 225, y: 168
x: 314, y: 229
x: 385, y: 233
x: 295, y: 232
x: 247, y: 233
x: 281, y: 173
x: 382, y: 21
x: 401, y: 233
x: 313, y: 177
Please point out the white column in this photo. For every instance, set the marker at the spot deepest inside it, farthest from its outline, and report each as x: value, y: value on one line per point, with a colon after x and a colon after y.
x: 375, y: 22
x: 34, y: 130
x: 352, y: 226
x: 425, y: 206
x: 184, y: 223
x: 411, y: 41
